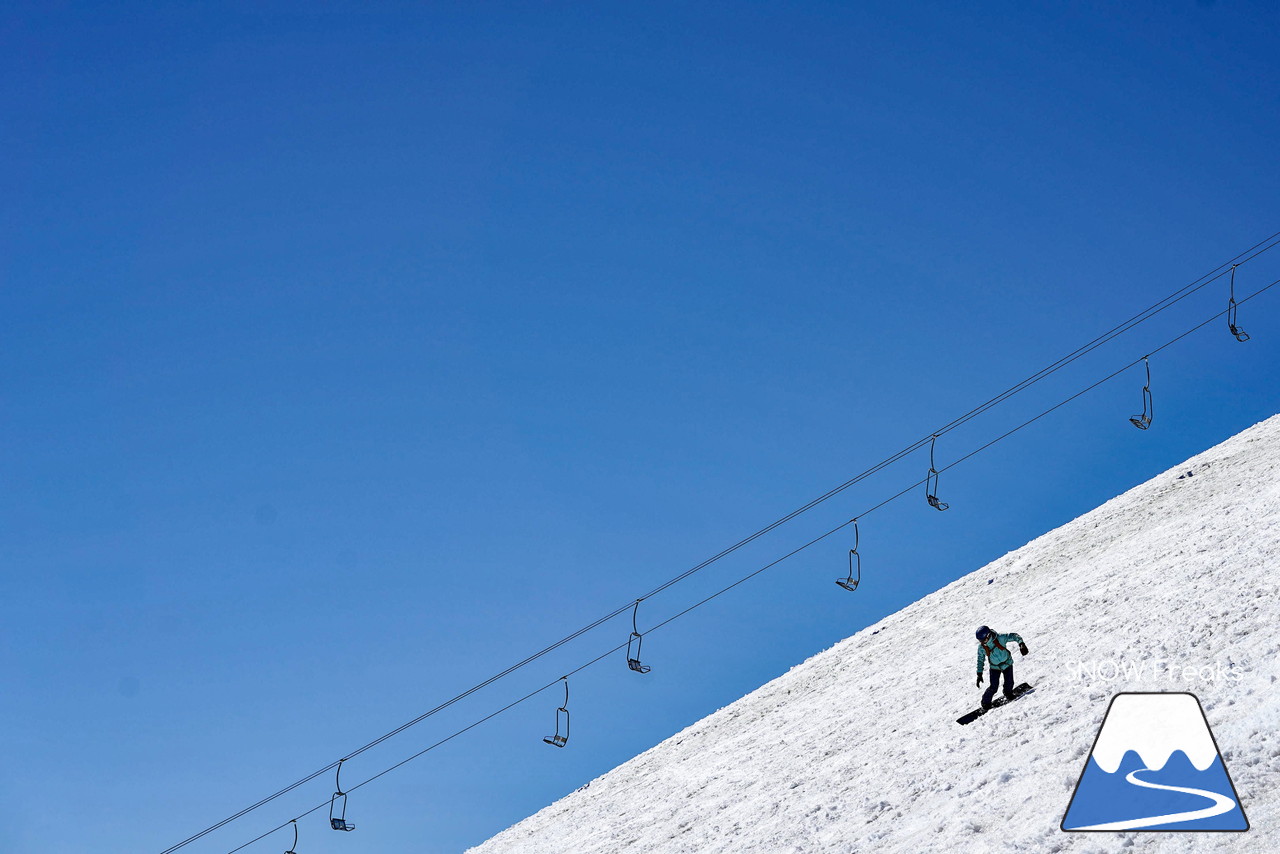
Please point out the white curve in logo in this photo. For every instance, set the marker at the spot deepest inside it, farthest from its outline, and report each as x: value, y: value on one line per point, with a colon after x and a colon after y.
x: 1221, y: 804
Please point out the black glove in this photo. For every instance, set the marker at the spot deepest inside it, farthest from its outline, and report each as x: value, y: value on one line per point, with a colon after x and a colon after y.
x: 1022, y: 648
x: 979, y: 682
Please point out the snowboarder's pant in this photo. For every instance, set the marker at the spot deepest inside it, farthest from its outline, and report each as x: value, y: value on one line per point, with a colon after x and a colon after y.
x: 1007, y: 673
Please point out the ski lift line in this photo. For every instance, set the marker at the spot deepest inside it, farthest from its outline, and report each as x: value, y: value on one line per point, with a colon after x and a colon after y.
x: 439, y: 743
x: 1248, y: 255
x: 752, y: 575
x: 785, y: 557
x: 607, y: 654
x: 331, y: 766
x: 242, y: 813
x: 399, y: 764
x: 816, y: 540
x: 292, y: 821
x: 1107, y: 378
x: 398, y: 730
x: 912, y: 487
x: 1169, y: 301
x: 1141, y: 317
x: 487, y: 718
x: 973, y: 413
x: 966, y: 457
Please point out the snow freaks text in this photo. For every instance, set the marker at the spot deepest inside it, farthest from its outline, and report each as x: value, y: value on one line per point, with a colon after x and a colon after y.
x: 1164, y: 670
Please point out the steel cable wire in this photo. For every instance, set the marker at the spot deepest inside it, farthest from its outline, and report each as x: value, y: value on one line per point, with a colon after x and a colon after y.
x: 767, y: 566
x: 1244, y: 257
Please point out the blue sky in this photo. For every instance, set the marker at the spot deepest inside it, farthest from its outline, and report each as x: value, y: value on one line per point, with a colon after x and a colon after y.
x: 350, y: 355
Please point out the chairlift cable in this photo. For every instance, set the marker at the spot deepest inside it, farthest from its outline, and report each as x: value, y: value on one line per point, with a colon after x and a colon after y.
x: 767, y: 566
x: 398, y: 729
x: 1107, y: 378
x: 437, y: 744
x: 957, y: 462
x: 1248, y: 255
x: 1139, y: 318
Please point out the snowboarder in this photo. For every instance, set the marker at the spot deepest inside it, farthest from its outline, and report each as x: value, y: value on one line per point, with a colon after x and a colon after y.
x: 992, y: 647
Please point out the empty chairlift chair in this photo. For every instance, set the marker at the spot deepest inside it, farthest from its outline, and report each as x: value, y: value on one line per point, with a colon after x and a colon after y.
x: 1143, y: 421
x: 1235, y: 330
x: 338, y: 804
x: 931, y: 481
x: 855, y: 564
x: 633, y: 657
x: 559, y: 740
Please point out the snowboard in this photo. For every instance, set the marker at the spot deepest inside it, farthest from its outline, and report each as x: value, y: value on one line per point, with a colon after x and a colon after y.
x: 1018, y: 691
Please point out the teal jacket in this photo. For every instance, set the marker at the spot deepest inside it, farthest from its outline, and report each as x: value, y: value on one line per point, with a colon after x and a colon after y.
x: 995, y: 647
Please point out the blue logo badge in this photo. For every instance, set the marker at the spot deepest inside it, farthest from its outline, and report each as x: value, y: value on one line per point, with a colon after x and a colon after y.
x: 1155, y: 766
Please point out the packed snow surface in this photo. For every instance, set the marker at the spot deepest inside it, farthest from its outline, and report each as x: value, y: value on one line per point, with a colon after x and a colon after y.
x: 1169, y: 587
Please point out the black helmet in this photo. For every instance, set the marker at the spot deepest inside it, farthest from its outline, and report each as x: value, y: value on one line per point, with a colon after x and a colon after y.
x: 982, y: 633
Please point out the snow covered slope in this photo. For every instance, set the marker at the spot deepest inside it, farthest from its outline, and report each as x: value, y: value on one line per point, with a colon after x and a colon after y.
x: 1169, y: 587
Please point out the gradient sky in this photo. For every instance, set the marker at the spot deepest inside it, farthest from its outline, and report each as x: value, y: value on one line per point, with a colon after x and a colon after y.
x: 348, y: 355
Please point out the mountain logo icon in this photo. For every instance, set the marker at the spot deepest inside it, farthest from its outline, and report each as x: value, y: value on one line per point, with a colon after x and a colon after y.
x: 1155, y: 766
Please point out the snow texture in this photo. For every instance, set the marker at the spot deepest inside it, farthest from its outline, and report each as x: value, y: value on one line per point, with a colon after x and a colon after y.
x: 1169, y: 587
